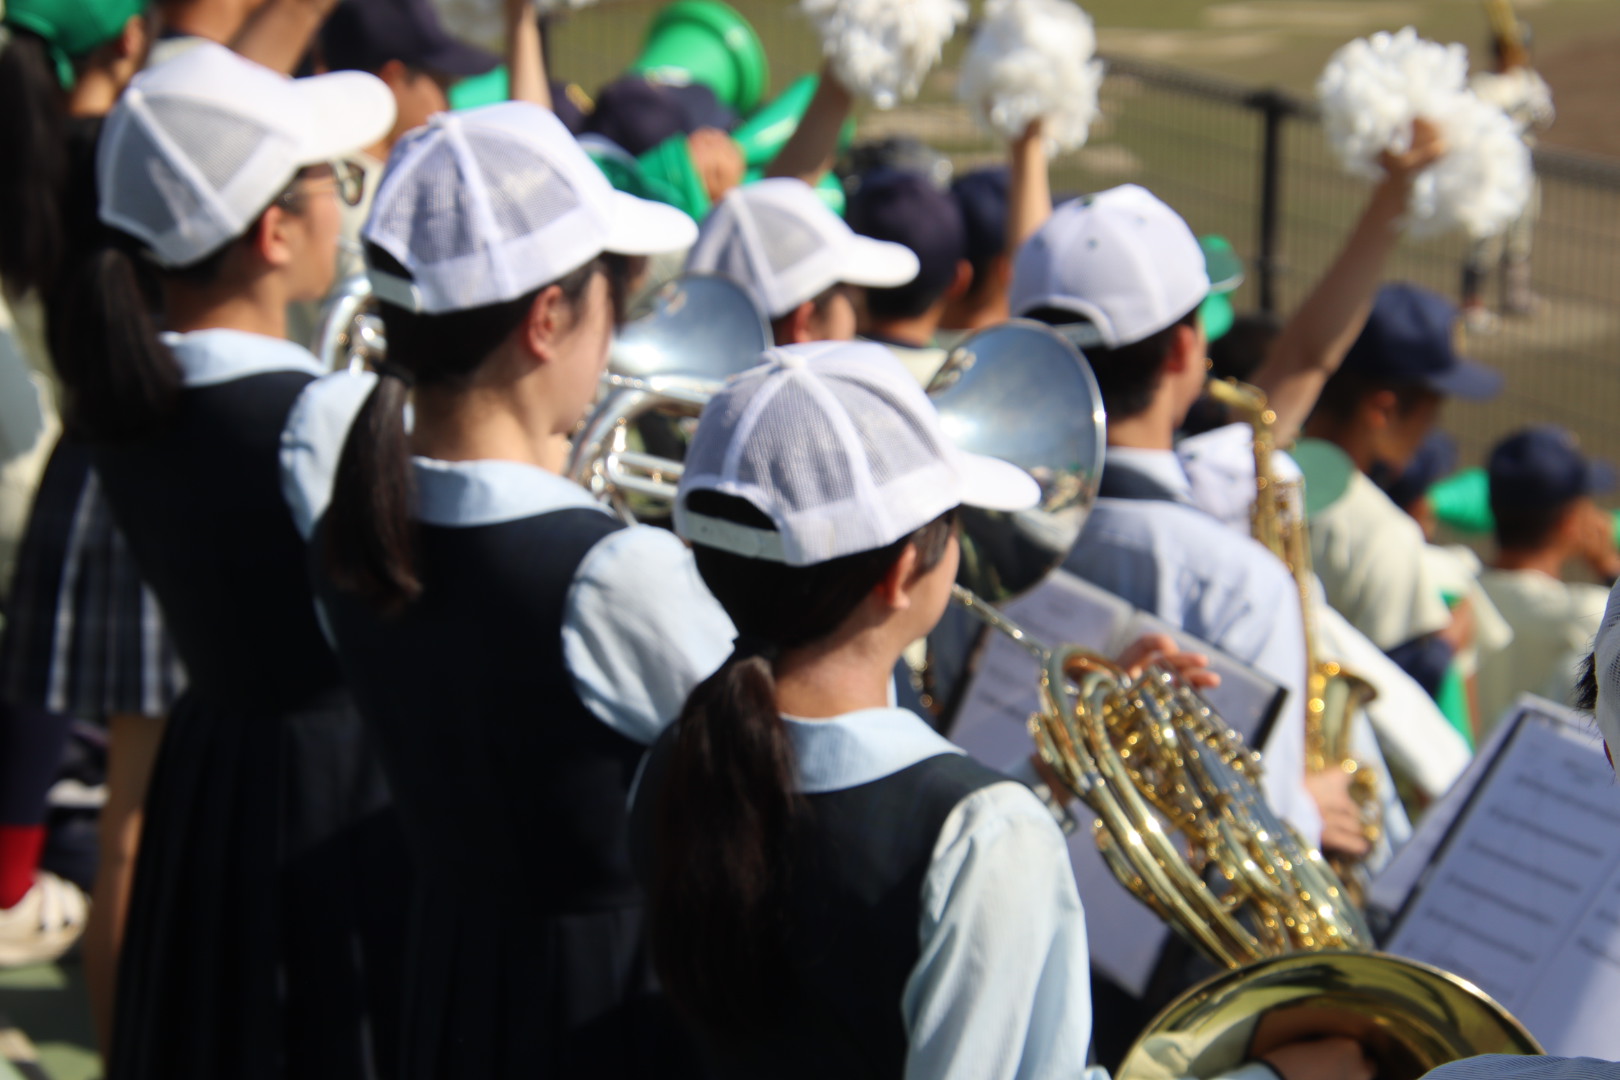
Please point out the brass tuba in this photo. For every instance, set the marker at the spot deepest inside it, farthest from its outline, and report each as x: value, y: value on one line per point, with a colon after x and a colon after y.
x: 349, y: 336
x: 1183, y: 824
x: 664, y: 364
x: 1333, y: 696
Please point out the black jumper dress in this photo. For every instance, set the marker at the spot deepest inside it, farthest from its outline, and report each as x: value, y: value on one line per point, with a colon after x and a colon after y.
x: 527, y: 951
x: 271, y: 893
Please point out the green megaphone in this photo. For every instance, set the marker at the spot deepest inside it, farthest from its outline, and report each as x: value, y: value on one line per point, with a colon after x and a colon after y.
x: 707, y: 42
x: 1462, y: 501
x: 763, y: 134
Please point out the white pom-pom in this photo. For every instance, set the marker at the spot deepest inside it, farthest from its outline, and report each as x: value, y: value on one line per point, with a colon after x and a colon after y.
x: 881, y: 49
x: 1032, y: 60
x: 551, y: 7
x: 1372, y: 90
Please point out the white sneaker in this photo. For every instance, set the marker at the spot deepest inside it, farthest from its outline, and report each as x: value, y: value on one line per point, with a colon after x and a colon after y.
x: 44, y: 924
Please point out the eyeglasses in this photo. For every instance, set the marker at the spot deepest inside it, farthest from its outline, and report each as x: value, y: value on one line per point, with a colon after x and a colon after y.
x: 349, y: 178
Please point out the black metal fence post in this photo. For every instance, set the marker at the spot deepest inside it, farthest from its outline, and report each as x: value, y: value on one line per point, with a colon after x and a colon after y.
x: 1274, y: 107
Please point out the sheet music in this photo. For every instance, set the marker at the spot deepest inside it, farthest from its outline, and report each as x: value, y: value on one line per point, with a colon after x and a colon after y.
x: 1524, y: 897
x: 1393, y: 887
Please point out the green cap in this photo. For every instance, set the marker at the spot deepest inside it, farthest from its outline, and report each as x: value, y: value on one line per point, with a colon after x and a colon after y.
x: 72, y: 28
x: 1225, y: 271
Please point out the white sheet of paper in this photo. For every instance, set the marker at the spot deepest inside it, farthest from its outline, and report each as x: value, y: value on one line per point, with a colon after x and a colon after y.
x: 1523, y: 898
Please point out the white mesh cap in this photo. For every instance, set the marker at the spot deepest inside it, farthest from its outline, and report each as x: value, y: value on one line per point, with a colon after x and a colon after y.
x: 778, y: 240
x: 488, y: 204
x: 837, y: 444
x: 197, y: 146
x: 1606, y: 668
x: 1120, y: 258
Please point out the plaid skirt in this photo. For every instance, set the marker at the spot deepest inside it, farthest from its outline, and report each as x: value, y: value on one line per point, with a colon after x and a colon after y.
x: 83, y: 636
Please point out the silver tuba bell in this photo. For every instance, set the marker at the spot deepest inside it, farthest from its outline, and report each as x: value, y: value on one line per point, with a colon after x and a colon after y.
x: 691, y: 334
x: 350, y: 335
x: 1021, y: 393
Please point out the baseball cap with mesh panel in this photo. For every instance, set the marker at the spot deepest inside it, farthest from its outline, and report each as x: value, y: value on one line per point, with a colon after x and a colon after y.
x: 197, y: 147
x: 1121, y: 259
x: 837, y: 444
x: 778, y: 240
x: 484, y: 205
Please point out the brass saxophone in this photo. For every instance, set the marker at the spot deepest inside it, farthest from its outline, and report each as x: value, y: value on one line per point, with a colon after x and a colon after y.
x: 1333, y: 696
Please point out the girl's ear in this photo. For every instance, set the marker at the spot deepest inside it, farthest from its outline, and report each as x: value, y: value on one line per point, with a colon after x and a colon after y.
x: 893, y: 590
x: 548, y: 317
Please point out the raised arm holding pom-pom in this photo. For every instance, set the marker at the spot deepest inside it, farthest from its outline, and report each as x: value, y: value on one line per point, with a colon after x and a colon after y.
x: 811, y: 151
x: 1310, y: 347
x: 525, y: 55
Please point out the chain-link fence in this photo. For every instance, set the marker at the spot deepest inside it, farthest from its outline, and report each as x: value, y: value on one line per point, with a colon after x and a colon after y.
x: 1253, y: 165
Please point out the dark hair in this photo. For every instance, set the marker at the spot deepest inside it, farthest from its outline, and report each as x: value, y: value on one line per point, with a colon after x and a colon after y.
x: 120, y: 380
x: 1239, y: 352
x: 819, y: 303
x: 907, y: 208
x: 369, y: 545
x: 722, y: 877
x: 1586, y: 684
x: 33, y: 128
x: 1521, y: 528
x: 1346, y: 389
x: 1127, y: 376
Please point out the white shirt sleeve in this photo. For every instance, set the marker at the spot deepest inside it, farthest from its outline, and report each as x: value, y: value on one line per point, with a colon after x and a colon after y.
x: 640, y: 630
x: 312, y: 443
x: 1002, y: 986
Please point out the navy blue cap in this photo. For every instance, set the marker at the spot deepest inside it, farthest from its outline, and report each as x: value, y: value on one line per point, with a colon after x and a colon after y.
x: 1436, y: 459
x: 1543, y: 466
x: 907, y: 208
x: 981, y: 197
x: 637, y: 114
x: 1412, y: 336
x: 363, y: 35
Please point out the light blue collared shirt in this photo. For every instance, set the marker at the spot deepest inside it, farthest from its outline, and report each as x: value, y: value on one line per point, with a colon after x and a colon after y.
x: 640, y: 629
x: 1002, y: 986
x: 1183, y: 565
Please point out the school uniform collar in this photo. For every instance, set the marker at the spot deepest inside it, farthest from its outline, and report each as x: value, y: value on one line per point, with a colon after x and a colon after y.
x: 860, y: 747
x: 1160, y: 466
x: 473, y: 493
x: 212, y: 357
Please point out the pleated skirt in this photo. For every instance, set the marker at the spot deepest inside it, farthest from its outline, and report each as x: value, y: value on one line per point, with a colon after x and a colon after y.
x: 267, y: 923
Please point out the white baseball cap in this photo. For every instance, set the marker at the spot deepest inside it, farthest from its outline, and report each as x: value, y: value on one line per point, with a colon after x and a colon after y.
x: 837, y: 444
x: 484, y: 205
x: 1121, y: 259
x: 198, y: 146
x: 778, y: 240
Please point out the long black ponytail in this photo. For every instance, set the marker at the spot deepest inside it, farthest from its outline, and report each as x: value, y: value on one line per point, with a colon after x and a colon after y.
x: 33, y: 170
x: 722, y: 876
x: 369, y: 537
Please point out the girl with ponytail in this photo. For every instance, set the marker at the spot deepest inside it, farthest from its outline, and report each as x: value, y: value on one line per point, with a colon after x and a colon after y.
x: 83, y: 639
x: 262, y: 936
x: 514, y: 646
x: 835, y: 889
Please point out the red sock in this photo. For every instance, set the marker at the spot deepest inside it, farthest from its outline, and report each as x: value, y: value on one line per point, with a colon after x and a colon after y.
x: 20, y: 846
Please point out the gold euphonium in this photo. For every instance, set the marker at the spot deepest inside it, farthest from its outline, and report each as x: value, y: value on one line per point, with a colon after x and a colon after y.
x: 1333, y: 696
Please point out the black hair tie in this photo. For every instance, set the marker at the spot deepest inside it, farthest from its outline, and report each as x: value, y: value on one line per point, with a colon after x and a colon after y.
x: 747, y: 646
x: 387, y: 369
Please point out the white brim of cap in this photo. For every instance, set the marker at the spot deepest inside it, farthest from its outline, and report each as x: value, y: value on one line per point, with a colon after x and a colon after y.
x: 643, y: 227
x: 349, y: 110
x: 880, y: 264
x: 992, y: 484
